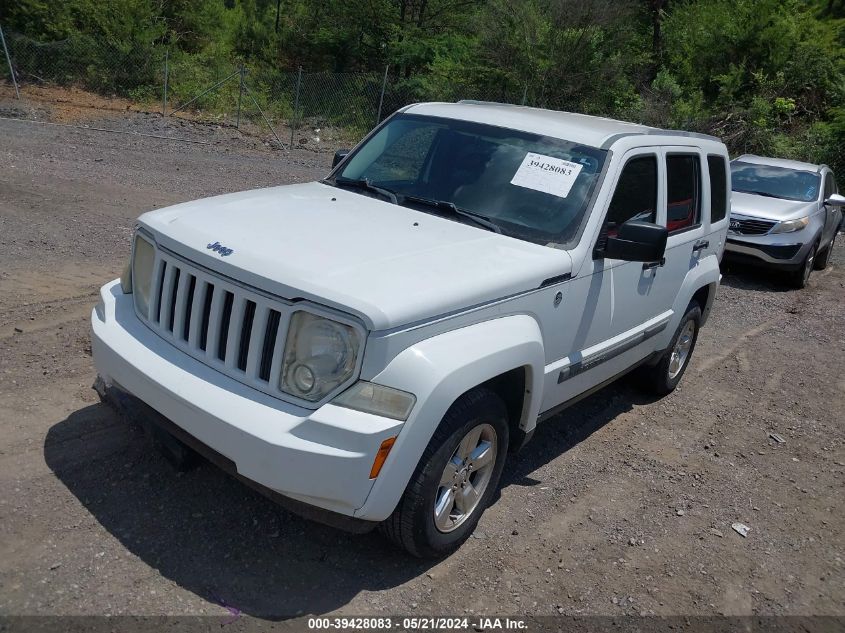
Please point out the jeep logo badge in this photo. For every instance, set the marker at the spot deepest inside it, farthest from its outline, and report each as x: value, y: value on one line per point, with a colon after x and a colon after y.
x: 219, y: 248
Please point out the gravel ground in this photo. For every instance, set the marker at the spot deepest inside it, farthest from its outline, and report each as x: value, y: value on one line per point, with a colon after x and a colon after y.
x: 620, y: 506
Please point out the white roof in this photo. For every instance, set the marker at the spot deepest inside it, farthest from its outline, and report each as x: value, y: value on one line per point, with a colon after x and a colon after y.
x: 779, y: 162
x: 578, y: 128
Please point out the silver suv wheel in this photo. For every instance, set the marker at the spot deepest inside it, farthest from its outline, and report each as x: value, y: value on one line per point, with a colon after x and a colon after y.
x: 808, y: 265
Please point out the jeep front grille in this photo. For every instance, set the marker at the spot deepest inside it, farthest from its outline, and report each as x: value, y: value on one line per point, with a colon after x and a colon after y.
x: 235, y: 330
x: 751, y: 227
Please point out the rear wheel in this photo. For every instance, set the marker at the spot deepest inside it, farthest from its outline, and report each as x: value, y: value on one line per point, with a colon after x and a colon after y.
x: 801, y: 277
x: 455, y: 479
x: 662, y: 378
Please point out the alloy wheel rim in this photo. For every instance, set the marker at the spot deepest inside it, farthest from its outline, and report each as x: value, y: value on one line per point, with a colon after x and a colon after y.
x: 681, y: 351
x: 465, y: 478
x: 808, y: 265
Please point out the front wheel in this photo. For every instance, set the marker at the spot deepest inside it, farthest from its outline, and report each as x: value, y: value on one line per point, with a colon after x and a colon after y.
x: 455, y: 479
x: 662, y: 378
x: 823, y: 258
x: 801, y: 277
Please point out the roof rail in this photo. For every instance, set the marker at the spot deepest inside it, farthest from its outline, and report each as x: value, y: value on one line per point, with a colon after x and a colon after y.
x: 654, y: 131
x: 701, y: 135
x: 479, y: 102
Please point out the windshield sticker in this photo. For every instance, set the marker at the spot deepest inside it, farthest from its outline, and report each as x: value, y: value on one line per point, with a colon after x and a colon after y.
x: 547, y: 174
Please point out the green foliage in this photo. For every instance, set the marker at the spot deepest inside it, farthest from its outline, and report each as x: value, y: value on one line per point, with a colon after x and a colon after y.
x: 765, y: 75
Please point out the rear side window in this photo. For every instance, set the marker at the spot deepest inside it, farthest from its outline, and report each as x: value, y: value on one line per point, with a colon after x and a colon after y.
x: 717, y: 167
x: 635, y: 197
x: 683, y: 203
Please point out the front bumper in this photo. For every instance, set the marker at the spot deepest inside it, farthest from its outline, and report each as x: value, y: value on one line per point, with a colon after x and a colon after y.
x: 319, y: 457
x: 764, y: 251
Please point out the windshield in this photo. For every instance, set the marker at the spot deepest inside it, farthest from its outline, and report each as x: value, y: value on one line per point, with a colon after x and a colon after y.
x: 774, y: 182
x: 528, y: 186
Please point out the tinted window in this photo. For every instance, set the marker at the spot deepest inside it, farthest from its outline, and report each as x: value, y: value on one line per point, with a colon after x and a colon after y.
x: 403, y: 160
x: 636, y: 193
x: 774, y: 182
x: 829, y: 186
x: 718, y: 188
x: 533, y: 187
x: 683, y: 202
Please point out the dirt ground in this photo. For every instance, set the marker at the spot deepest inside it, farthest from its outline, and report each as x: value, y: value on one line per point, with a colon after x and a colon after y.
x: 621, y: 505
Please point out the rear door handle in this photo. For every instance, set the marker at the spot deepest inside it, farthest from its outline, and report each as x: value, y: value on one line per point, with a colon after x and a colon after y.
x: 700, y: 246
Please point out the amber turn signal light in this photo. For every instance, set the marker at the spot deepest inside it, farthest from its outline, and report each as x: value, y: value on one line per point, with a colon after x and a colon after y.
x: 381, y: 456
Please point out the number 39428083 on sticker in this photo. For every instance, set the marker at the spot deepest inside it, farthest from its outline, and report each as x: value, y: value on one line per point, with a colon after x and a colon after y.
x: 550, y: 175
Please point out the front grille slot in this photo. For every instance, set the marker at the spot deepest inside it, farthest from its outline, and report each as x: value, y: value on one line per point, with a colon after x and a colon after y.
x: 174, y: 288
x: 270, y: 333
x: 233, y: 329
x: 186, y: 328
x: 226, y: 318
x: 206, y: 314
x: 246, y: 334
x: 160, y: 288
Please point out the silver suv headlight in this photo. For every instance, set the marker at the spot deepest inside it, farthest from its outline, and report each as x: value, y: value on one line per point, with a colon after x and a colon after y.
x: 320, y: 355
x: 143, y: 261
x: 790, y: 226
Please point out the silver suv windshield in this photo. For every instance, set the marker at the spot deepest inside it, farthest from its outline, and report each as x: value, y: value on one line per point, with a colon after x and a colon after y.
x: 524, y: 185
x: 774, y: 182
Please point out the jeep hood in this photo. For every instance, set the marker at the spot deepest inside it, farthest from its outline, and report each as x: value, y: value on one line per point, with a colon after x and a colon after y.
x: 776, y: 209
x: 387, y: 264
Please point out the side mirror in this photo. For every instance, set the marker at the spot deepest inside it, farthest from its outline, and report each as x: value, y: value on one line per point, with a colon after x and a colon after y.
x: 339, y: 155
x: 835, y: 200
x: 637, y: 242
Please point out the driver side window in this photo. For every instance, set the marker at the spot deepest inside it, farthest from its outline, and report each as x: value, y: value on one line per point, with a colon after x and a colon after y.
x: 403, y: 160
x: 635, y: 197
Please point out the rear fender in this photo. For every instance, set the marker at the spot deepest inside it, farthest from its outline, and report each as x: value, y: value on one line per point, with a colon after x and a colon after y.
x: 706, y: 273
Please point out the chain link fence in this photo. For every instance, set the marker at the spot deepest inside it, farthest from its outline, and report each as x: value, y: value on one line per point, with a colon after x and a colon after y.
x: 296, y: 107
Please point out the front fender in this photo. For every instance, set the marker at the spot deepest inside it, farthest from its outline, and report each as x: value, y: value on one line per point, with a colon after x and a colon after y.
x: 437, y: 371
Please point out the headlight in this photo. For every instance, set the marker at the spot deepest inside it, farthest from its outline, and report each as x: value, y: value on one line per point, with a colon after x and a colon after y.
x: 320, y: 355
x: 143, y: 259
x: 790, y: 226
x: 377, y: 399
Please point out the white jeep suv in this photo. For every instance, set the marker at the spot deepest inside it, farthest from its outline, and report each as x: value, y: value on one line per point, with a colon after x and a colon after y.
x: 369, y: 348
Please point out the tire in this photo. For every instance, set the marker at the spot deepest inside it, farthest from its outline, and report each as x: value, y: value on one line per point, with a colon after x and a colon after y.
x: 801, y: 277
x: 823, y: 258
x: 412, y: 524
x: 661, y: 378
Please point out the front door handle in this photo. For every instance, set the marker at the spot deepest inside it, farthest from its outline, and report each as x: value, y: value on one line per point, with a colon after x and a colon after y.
x: 700, y: 246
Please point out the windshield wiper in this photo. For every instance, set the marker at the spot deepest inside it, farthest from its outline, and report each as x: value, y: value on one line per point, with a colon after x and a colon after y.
x: 445, y: 205
x: 364, y: 183
x: 757, y: 193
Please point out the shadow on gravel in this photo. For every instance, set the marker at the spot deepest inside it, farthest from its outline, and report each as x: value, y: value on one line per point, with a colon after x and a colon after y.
x: 212, y: 535
x: 569, y: 428
x: 219, y: 539
x: 754, y: 279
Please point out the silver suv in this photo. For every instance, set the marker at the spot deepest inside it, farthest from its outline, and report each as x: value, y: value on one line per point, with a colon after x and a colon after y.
x: 784, y: 214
